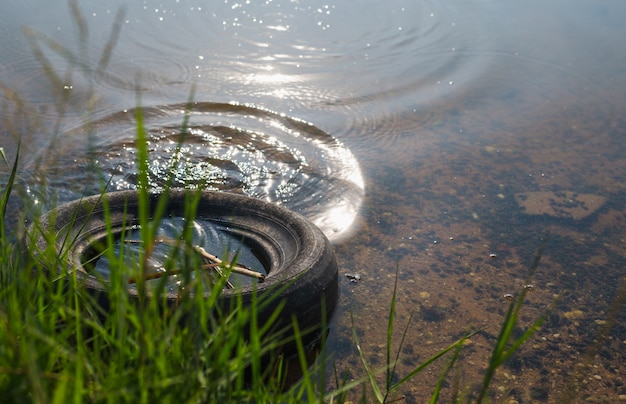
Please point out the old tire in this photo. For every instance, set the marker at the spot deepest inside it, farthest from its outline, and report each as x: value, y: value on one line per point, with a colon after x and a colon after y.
x: 299, y: 260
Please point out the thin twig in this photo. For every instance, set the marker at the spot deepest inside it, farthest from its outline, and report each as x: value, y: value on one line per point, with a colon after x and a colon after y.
x: 213, y: 263
x: 239, y: 269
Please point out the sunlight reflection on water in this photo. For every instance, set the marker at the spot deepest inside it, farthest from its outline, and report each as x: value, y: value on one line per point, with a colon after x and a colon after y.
x: 229, y: 147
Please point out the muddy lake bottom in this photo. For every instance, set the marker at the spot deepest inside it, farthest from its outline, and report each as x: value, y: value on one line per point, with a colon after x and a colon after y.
x: 463, y: 225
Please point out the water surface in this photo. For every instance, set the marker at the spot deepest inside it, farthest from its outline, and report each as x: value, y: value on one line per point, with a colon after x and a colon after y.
x: 440, y: 138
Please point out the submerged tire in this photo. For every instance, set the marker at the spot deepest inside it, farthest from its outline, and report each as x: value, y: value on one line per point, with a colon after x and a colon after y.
x: 298, y: 258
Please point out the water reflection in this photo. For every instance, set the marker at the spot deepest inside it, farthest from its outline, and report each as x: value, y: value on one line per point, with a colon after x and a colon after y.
x: 229, y: 147
x: 204, y: 233
x: 312, y: 49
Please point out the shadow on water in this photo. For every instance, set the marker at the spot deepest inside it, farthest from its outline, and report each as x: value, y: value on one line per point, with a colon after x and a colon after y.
x: 447, y: 137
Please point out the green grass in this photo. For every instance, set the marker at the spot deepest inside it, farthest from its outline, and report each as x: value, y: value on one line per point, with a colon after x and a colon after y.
x: 58, y: 344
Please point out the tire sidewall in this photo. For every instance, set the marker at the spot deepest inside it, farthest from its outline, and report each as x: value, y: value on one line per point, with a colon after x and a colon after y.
x: 302, y: 274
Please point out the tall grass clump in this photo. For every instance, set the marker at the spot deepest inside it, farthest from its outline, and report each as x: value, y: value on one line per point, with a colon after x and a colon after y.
x: 59, y: 343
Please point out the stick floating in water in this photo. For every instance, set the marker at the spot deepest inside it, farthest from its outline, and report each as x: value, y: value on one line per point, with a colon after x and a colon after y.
x: 212, y: 263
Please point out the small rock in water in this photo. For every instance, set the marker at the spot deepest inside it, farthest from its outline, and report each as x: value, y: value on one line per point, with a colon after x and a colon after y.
x: 354, y: 277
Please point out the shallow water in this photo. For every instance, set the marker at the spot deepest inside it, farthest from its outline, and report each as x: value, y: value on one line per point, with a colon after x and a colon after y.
x: 164, y: 258
x: 440, y: 138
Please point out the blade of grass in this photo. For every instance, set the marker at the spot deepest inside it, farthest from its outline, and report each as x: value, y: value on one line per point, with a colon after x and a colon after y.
x: 83, y: 31
x: 308, y: 385
x: 435, y: 397
x: 144, y: 198
x: 432, y: 359
x: 7, y: 191
x: 159, y: 210
x: 370, y: 374
x: 500, y: 352
x: 322, y: 354
x: 112, y: 41
x: 390, y: 322
x: 404, y: 334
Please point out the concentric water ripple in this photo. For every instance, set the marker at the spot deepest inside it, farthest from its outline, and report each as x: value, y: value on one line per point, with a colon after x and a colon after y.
x: 228, y: 147
x: 300, y: 53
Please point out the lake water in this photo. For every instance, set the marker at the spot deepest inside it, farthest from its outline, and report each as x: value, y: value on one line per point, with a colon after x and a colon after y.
x: 444, y: 139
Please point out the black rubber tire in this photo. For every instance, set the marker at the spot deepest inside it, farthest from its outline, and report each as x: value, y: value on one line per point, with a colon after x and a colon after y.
x: 300, y: 261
